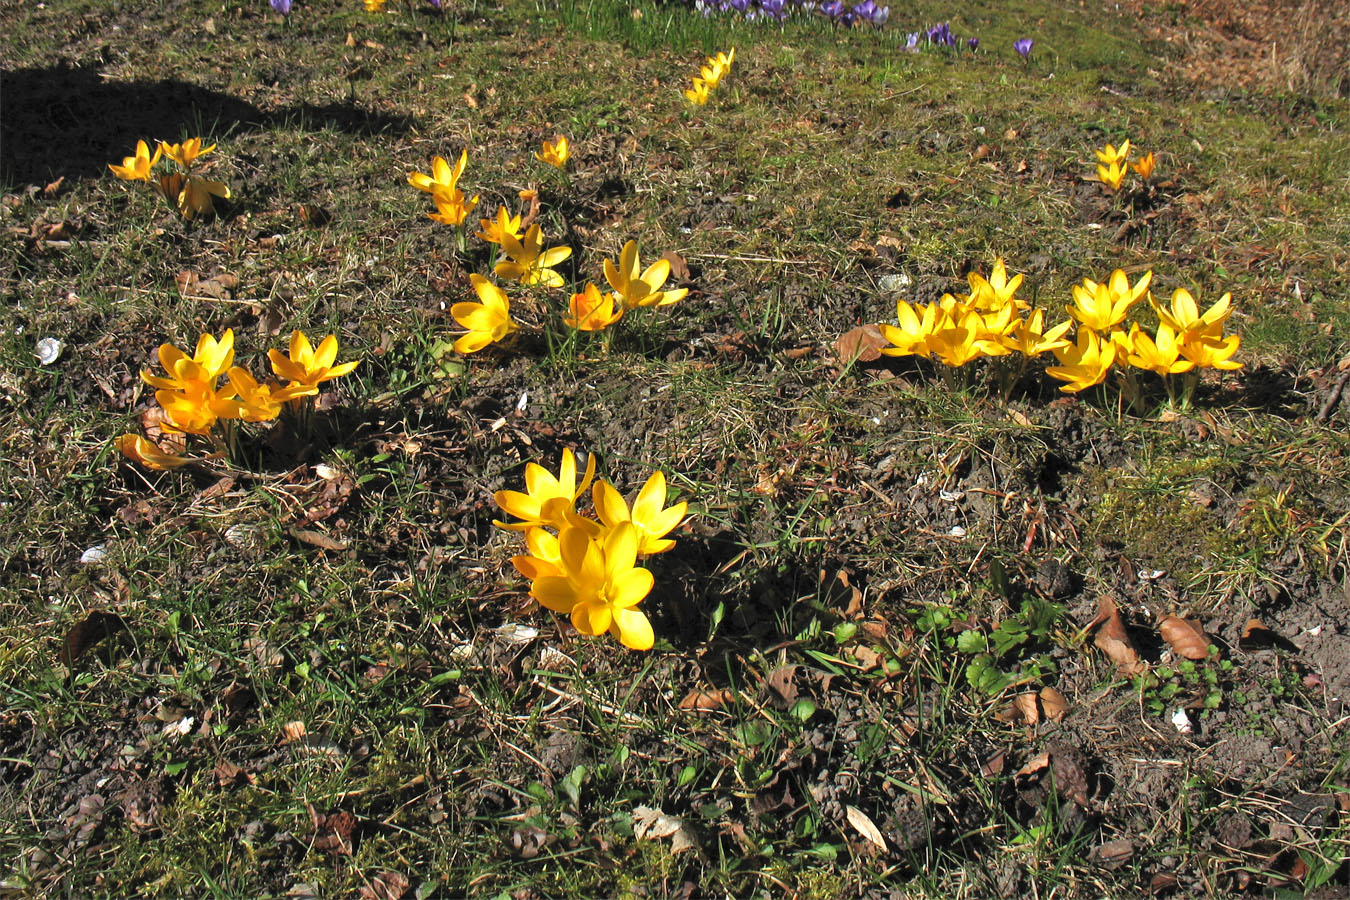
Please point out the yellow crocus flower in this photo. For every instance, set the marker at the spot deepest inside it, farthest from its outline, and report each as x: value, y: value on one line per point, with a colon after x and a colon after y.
x: 636, y: 287
x: 307, y: 366
x: 529, y: 262
x: 1111, y: 156
x: 600, y: 585
x: 488, y: 322
x: 186, y: 153
x: 1112, y: 175
x: 1144, y: 167
x: 592, y: 311
x: 1157, y: 354
x: 1083, y: 363
x: 137, y: 168
x: 649, y: 516
x: 698, y: 94
x: 556, y: 153
x: 138, y: 449
x: 1100, y: 306
x: 505, y: 224
x: 547, y: 498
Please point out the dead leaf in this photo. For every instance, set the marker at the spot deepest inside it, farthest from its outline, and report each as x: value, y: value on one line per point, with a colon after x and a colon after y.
x: 386, y: 886
x: 55, y: 186
x: 861, y: 344
x: 317, y: 539
x: 95, y: 627
x: 1256, y: 636
x: 1185, y: 637
x: 865, y: 826
x: 333, y: 830
x: 1025, y: 707
x: 679, y: 267
x: 293, y: 731
x: 780, y: 681
x: 230, y: 775
x: 218, y: 287
x: 707, y: 701
x: 652, y: 824
x: 1053, y: 704
x: 1113, y: 854
x: 1113, y: 640
x: 313, y: 215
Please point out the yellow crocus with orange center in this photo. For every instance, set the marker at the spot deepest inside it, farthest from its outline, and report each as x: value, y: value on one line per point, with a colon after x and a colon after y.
x: 488, y: 322
x: 593, y: 311
x: 1144, y: 166
x: 648, y: 515
x: 1083, y: 363
x: 547, y: 498
x: 637, y: 287
x: 529, y: 262
x: 1100, y: 306
x: 137, y: 168
x: 997, y: 291
x: 1160, y: 354
x: 186, y: 153
x: 307, y: 366
x: 505, y: 223
x: 555, y: 153
x: 600, y: 585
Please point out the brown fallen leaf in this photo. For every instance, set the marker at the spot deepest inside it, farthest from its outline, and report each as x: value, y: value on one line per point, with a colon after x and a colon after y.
x: 293, y: 731
x: 1256, y: 636
x: 1053, y: 704
x: 707, y: 701
x: 679, y: 266
x: 866, y: 827
x: 95, y: 627
x: 1026, y: 707
x: 332, y: 830
x: 317, y: 539
x: 1185, y: 637
x: 385, y: 886
x: 1113, y: 640
x: 861, y: 344
x: 652, y: 824
x: 1113, y: 854
x: 780, y: 682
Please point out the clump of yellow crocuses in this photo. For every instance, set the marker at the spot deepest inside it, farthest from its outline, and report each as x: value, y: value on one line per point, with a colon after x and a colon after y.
x: 1113, y: 165
x: 587, y: 567
x: 710, y: 75
x: 195, y: 401
x: 184, y: 190
x: 992, y: 321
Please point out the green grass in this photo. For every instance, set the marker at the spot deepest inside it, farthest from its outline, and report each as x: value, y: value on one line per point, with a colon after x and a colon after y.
x: 479, y: 757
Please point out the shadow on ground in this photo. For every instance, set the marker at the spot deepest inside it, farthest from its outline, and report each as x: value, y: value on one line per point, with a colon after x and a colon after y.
x: 64, y: 121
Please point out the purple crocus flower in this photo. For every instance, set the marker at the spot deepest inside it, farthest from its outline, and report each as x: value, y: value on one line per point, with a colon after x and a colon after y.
x: 869, y: 11
x: 775, y: 8
x: 832, y: 8
x: 973, y: 44
x: 1023, y: 46
x: 281, y: 6
x: 912, y: 42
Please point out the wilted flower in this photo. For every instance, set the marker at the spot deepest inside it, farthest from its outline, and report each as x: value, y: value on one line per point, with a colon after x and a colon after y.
x: 648, y: 515
x: 529, y: 263
x: 1099, y: 306
x: 592, y: 311
x: 307, y: 366
x: 600, y: 585
x: 556, y: 153
x: 547, y: 499
x: 138, y: 449
x: 1023, y: 46
x: 137, y: 168
x: 488, y: 321
x: 1083, y: 363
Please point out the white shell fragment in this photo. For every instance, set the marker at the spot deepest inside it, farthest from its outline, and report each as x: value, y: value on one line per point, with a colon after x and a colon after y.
x: 1182, y: 722
x: 94, y: 554
x: 48, y: 350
